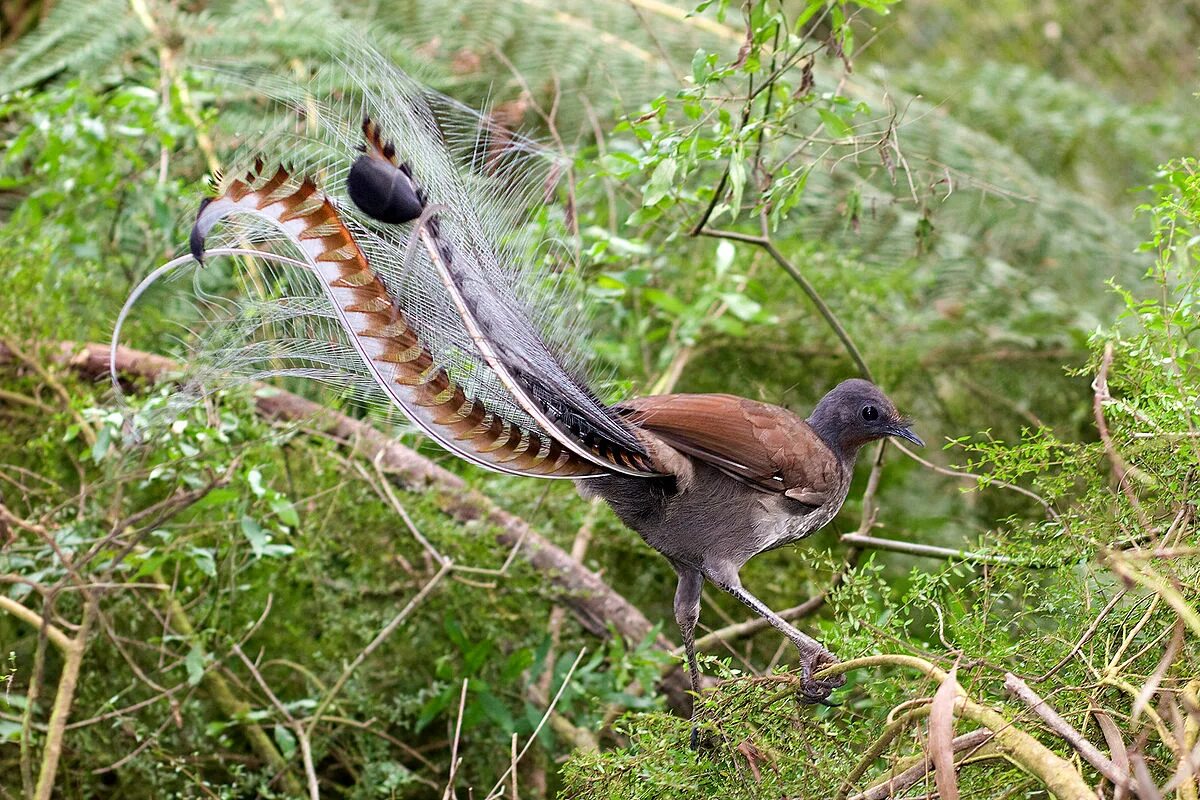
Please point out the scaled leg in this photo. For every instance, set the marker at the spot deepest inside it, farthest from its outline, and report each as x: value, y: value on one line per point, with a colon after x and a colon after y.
x: 813, y: 654
x: 687, y: 613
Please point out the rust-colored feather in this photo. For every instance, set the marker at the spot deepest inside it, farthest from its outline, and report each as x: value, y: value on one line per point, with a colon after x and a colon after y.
x: 766, y: 446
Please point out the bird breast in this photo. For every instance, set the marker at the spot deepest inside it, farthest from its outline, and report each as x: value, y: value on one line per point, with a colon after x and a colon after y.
x: 782, y: 520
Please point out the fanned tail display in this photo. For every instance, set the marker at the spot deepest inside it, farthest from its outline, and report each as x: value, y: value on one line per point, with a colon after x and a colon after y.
x: 391, y: 230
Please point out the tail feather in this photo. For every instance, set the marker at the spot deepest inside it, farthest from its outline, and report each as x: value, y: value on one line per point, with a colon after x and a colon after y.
x: 411, y: 217
x: 401, y: 364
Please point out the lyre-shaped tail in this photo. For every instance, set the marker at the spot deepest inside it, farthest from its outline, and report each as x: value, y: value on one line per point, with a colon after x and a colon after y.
x: 400, y: 363
x: 387, y: 190
x: 411, y: 216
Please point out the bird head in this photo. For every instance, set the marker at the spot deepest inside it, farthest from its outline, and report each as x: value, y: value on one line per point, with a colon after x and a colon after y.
x: 856, y: 412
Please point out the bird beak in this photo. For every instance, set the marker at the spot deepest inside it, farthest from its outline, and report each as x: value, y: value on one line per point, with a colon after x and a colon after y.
x: 905, y: 432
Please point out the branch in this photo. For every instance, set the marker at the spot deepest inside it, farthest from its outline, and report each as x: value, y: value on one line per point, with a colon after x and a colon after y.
x: 1058, y: 774
x: 1060, y: 726
x: 929, y: 550
x: 59, y: 639
x: 824, y: 310
x: 64, y: 697
x: 594, y: 604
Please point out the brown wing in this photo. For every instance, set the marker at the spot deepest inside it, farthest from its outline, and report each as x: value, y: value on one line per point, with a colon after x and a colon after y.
x: 763, y: 445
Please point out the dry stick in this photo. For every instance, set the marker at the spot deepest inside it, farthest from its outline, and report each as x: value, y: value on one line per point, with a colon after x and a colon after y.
x: 63, y: 698
x: 454, y: 759
x: 541, y: 723
x: 379, y: 639
x: 898, y: 783
x: 1058, y: 774
x: 310, y: 771
x: 1064, y: 729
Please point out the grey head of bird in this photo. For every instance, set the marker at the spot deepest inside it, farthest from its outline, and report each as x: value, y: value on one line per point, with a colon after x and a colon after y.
x: 856, y: 412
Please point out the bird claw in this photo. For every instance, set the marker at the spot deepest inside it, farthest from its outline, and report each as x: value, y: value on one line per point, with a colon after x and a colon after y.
x: 816, y: 691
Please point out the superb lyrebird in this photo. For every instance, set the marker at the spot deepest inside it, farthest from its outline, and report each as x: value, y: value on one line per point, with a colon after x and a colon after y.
x: 407, y: 267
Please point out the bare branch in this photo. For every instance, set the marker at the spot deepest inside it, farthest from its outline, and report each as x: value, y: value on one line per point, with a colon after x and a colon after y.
x: 1062, y: 728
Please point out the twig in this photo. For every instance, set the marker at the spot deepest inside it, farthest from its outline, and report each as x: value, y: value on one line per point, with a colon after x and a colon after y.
x: 30, y: 617
x: 1121, y: 470
x: 1087, y: 635
x: 809, y: 290
x: 927, y: 550
x: 955, y: 473
x: 379, y: 639
x: 898, y: 783
x: 541, y: 723
x: 1161, y: 588
x: 63, y: 699
x: 454, y: 759
x: 1063, y: 729
x: 314, y: 792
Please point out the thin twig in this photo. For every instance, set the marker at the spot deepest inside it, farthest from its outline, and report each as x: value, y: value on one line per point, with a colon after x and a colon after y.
x: 541, y: 723
x: 454, y: 759
x: 1064, y: 729
x: 314, y: 792
x: 375, y: 643
x: 927, y: 550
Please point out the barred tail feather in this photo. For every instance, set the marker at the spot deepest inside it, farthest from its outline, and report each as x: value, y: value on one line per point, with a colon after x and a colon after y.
x: 400, y: 363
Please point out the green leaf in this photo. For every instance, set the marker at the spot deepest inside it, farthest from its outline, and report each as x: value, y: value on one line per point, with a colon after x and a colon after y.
x: 286, y: 512
x: 255, y: 534
x: 742, y: 307
x: 286, y: 741
x: 666, y: 302
x: 254, y: 478
x: 660, y: 182
x: 837, y: 126
x: 202, y: 557
x: 194, y: 664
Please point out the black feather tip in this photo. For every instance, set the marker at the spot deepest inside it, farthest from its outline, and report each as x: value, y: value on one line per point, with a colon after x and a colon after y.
x: 196, y: 240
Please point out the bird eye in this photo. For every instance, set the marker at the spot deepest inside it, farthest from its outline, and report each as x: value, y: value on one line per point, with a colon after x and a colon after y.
x: 870, y: 413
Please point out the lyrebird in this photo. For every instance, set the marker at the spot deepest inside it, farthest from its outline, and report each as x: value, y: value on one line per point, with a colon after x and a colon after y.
x: 407, y: 266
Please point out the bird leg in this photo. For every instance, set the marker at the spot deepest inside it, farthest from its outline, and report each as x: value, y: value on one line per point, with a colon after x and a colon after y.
x: 813, y: 654
x: 687, y: 613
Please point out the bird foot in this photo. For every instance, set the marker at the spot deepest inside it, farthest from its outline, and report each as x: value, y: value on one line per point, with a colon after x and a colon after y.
x: 813, y: 690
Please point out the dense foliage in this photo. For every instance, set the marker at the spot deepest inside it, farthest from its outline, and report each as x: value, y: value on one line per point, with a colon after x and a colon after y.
x: 207, y: 601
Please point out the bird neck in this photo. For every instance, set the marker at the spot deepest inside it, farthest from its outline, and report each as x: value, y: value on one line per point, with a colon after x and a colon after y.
x: 829, y: 428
